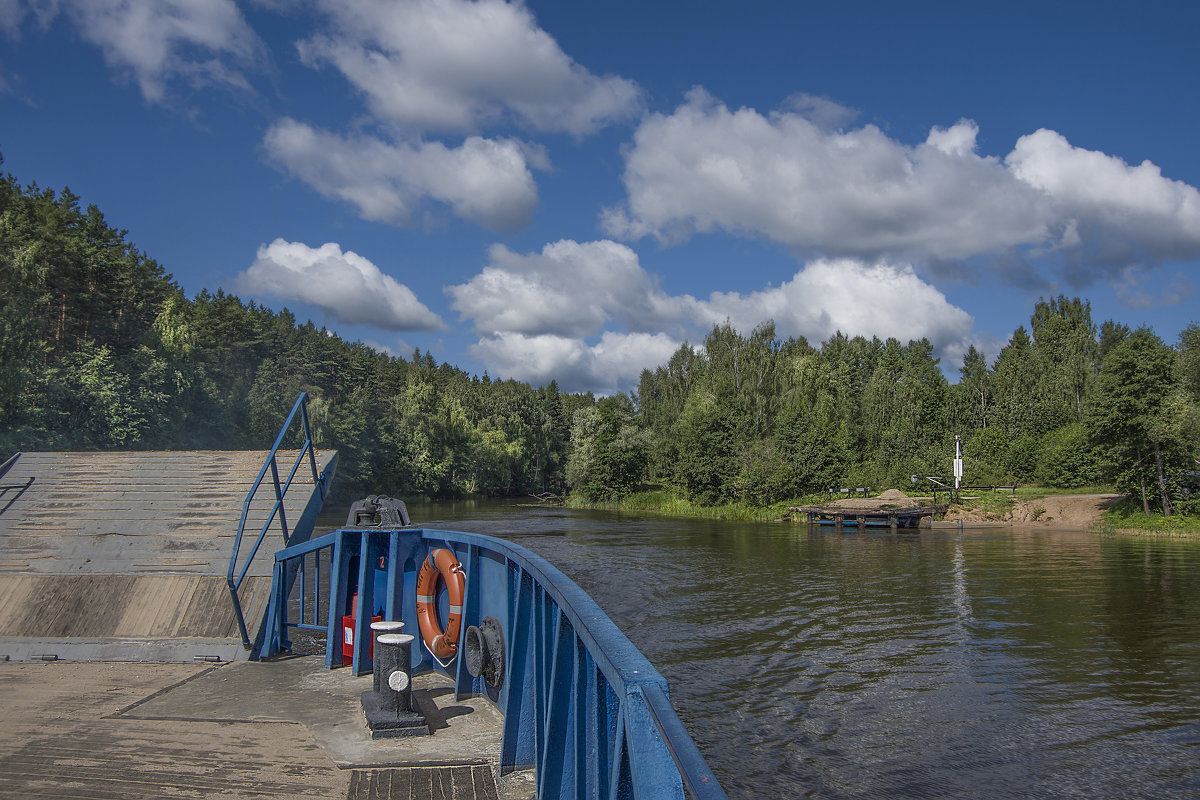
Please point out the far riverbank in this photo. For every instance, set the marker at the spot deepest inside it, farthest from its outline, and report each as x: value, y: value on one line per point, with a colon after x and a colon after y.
x: 1101, y: 512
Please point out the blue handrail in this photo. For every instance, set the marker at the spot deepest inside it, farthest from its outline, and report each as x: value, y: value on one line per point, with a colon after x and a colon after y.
x: 277, y: 509
x: 581, y: 704
x: 8, y: 463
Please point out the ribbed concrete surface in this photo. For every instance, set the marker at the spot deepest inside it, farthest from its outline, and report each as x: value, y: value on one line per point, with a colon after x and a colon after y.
x: 134, y: 546
x: 124, y: 606
x: 130, y: 513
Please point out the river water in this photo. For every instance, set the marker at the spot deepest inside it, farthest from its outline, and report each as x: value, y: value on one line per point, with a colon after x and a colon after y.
x: 995, y: 662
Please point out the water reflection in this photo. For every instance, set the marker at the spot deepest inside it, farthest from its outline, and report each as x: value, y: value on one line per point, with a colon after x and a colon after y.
x: 962, y: 598
x: 811, y: 663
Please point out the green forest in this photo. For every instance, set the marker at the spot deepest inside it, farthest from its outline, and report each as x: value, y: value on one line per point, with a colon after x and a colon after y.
x: 100, y: 349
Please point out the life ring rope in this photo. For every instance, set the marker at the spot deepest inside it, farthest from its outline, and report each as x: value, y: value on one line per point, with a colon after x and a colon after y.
x: 441, y: 564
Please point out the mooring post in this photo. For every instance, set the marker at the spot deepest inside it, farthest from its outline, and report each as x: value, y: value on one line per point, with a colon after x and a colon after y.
x: 389, y: 707
x: 395, y: 684
x: 377, y: 630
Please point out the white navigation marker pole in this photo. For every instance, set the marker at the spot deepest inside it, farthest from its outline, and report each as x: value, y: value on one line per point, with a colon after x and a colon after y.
x: 958, y: 464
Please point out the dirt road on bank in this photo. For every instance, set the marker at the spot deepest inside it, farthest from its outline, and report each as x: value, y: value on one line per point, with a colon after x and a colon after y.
x: 1055, y: 511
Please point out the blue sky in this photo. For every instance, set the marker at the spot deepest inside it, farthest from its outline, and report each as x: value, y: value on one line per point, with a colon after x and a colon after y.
x: 564, y: 190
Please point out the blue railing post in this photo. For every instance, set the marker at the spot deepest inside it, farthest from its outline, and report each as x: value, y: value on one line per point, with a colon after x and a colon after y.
x: 337, y: 606
x: 360, y: 661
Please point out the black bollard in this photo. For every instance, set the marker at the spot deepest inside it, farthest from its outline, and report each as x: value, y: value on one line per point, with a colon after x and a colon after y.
x: 395, y: 683
x: 389, y: 707
x: 377, y: 630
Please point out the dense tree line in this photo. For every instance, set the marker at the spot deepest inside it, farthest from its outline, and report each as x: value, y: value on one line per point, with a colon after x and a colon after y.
x: 100, y: 349
x: 759, y: 419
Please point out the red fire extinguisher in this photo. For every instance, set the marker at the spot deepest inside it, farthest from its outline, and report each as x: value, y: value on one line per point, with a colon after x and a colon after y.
x: 348, y: 634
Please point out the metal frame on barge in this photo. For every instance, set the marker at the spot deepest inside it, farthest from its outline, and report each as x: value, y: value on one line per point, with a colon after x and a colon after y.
x: 582, y: 706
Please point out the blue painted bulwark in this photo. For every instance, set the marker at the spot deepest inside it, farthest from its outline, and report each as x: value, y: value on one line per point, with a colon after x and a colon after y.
x: 304, y: 525
x: 581, y: 704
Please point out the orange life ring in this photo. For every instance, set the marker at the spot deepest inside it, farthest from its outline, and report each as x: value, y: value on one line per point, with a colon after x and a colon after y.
x: 440, y: 563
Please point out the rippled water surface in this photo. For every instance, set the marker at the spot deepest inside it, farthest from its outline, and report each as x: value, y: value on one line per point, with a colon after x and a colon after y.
x: 994, y: 663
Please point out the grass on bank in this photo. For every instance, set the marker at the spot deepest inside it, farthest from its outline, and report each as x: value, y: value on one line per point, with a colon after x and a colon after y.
x: 663, y: 500
x: 990, y: 505
x: 1037, y: 492
x: 1126, y: 516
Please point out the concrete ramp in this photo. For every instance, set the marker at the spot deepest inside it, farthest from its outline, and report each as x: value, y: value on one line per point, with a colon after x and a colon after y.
x: 124, y: 555
x: 122, y: 606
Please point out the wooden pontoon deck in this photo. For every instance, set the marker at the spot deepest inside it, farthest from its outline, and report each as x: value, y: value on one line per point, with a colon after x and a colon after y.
x: 911, y: 517
x: 892, y: 509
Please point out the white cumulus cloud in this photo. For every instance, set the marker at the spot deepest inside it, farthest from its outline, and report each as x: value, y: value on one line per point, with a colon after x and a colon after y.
x: 608, y: 366
x: 857, y: 298
x: 486, y: 181
x: 957, y: 140
x: 343, y: 284
x: 397, y: 350
x: 455, y: 65
x: 831, y: 192
x: 1107, y: 211
x: 706, y: 168
x: 429, y: 69
x: 203, y: 42
x: 568, y: 289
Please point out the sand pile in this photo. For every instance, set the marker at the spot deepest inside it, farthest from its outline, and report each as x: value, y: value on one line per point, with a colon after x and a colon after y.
x: 892, y: 498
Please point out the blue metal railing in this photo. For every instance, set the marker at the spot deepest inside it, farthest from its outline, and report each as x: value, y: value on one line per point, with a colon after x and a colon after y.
x: 307, y: 601
x: 581, y: 704
x: 277, y: 510
x: 8, y: 463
